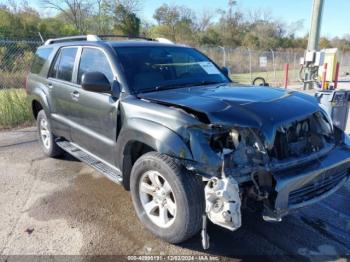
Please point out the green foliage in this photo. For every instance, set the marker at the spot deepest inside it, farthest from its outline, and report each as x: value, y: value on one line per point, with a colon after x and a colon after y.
x: 210, y: 37
x: 175, y: 23
x: 50, y: 27
x: 324, y: 43
x: 22, y: 24
x: 125, y: 21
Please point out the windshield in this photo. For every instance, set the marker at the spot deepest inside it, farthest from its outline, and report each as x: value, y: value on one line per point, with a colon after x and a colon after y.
x: 156, y: 67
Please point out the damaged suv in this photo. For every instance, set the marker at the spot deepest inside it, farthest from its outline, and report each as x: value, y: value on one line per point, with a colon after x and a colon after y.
x: 169, y: 125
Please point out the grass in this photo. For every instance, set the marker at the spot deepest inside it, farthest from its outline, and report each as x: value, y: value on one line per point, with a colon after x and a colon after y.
x: 268, y: 75
x: 14, y: 108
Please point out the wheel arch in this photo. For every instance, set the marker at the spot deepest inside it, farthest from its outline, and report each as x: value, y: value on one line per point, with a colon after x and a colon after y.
x: 38, y: 102
x: 141, y: 136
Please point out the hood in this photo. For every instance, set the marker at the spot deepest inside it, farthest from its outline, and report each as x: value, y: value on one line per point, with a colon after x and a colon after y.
x: 265, y: 108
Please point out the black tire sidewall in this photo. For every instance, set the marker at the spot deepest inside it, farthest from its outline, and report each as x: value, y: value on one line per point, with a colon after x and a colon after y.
x: 177, y: 231
x: 259, y: 79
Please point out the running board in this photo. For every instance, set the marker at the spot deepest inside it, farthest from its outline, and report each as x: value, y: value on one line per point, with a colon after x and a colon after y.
x: 110, y: 172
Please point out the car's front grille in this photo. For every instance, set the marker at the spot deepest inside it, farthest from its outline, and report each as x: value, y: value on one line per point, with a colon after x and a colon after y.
x: 319, y: 186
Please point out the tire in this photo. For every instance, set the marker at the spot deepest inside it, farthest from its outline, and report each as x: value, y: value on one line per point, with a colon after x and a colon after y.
x: 187, y: 192
x: 261, y: 80
x: 46, y: 137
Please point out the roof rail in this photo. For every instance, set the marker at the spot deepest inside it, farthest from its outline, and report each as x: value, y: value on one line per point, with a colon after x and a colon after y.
x: 73, y: 38
x: 126, y: 36
x: 99, y: 38
x: 160, y: 39
x: 164, y: 40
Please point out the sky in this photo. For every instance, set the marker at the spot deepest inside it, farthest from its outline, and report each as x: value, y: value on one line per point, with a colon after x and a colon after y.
x: 336, y: 13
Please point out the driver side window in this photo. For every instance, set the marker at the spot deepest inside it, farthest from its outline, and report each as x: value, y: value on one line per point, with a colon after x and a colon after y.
x: 94, y: 60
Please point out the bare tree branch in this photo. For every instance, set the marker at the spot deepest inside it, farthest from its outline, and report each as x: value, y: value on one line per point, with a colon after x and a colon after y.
x: 76, y: 11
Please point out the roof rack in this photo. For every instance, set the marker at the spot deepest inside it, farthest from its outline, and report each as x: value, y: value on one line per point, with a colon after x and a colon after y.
x: 99, y: 38
x: 72, y: 38
x: 126, y: 36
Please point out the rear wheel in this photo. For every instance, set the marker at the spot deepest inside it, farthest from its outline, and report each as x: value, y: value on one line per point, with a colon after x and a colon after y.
x: 168, y: 200
x: 46, y: 137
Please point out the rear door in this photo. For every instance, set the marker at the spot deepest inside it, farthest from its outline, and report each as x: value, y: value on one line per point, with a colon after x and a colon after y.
x: 62, y: 89
x: 96, y: 127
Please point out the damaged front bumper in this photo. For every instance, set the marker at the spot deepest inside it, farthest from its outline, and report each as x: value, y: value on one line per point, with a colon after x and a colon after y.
x: 294, y: 187
x: 304, y: 185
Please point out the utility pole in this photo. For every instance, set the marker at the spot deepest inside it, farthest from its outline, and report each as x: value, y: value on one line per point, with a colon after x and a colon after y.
x: 315, y: 29
x: 314, y: 38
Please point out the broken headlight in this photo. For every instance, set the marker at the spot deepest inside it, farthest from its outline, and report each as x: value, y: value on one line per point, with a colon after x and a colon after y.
x: 226, y: 141
x: 239, y: 147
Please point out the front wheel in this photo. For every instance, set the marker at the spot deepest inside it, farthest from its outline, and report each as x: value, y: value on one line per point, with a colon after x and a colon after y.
x: 168, y: 200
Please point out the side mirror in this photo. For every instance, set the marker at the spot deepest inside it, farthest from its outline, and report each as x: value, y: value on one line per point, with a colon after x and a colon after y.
x: 225, y: 71
x: 95, y: 82
x: 116, y: 89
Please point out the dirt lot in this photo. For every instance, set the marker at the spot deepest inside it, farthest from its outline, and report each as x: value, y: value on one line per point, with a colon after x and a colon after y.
x: 62, y: 207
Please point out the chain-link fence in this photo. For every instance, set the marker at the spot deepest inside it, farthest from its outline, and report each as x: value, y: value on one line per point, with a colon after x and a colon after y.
x: 244, y: 64
x: 15, y: 60
x: 344, y: 60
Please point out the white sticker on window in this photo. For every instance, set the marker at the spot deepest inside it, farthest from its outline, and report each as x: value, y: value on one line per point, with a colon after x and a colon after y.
x: 209, y: 68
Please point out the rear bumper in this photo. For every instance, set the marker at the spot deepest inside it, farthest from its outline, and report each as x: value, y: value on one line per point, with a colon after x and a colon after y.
x: 305, y: 185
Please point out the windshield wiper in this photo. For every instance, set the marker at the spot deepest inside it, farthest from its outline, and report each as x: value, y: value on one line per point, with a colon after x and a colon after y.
x: 206, y: 82
x: 179, y: 85
x: 166, y: 86
x: 173, y: 85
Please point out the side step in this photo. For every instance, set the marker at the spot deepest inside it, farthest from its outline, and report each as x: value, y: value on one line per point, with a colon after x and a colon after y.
x: 110, y: 172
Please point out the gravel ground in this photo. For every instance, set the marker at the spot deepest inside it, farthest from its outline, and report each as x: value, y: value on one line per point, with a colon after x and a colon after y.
x: 62, y: 207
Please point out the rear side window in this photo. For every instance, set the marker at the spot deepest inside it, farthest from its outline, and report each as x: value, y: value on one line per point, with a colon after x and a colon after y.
x: 41, y: 56
x: 64, y: 64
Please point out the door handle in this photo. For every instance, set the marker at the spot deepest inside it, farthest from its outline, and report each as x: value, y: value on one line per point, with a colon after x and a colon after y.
x: 75, y: 95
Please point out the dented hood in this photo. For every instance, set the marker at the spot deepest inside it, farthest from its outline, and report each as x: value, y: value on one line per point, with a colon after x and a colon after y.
x: 248, y: 106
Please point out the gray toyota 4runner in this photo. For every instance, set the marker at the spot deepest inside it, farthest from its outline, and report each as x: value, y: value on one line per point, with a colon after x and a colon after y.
x: 167, y: 123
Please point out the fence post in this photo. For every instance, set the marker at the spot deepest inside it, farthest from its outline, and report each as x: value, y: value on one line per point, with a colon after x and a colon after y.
x: 273, y: 65
x: 286, y: 69
x: 250, y: 65
x: 223, y: 54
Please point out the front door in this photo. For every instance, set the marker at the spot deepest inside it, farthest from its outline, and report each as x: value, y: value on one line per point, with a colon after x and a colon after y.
x: 96, y: 125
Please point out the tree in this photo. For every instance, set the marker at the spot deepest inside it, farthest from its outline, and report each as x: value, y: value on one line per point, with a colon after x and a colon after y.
x: 125, y: 21
x: 75, y: 11
x: 18, y: 22
x: 324, y: 43
x: 175, y: 22
x: 54, y: 27
x: 210, y: 37
x: 231, y: 24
